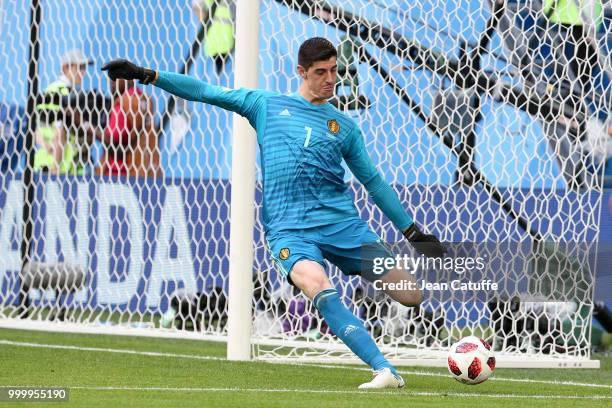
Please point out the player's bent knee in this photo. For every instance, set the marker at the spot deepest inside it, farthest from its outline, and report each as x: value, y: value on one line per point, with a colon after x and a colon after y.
x: 310, y: 277
x: 414, y: 298
x: 402, y: 287
x: 410, y: 298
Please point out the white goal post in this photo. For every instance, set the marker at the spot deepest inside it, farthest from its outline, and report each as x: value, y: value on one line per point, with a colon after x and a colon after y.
x: 471, y: 111
x: 242, y: 216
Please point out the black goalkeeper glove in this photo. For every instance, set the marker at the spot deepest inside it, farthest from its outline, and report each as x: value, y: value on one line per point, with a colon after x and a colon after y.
x: 124, y: 69
x: 425, y: 244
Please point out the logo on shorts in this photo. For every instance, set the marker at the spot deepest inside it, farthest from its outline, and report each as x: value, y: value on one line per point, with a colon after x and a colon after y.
x: 333, y: 126
x: 284, y: 254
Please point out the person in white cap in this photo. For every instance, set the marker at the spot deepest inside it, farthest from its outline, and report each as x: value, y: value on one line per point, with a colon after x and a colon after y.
x: 74, y: 65
x: 56, y: 147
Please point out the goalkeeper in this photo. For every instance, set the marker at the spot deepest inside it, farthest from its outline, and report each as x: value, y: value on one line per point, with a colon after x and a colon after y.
x: 308, y: 213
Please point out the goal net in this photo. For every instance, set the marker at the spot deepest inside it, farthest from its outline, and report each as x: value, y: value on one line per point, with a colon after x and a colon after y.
x: 488, y: 119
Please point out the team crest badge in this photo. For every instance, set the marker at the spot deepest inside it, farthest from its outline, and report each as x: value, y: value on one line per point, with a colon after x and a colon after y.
x: 333, y: 126
x: 284, y: 254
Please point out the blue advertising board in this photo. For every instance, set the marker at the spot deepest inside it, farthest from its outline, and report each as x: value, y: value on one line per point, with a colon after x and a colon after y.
x: 139, y: 240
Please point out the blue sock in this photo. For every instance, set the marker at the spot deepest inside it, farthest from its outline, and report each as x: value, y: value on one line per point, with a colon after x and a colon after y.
x: 349, y: 329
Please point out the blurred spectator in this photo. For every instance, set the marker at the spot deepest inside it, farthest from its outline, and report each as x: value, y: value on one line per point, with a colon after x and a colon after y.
x: 217, y: 16
x: 85, y: 112
x: 598, y: 140
x: 13, y: 128
x: 129, y: 136
x: 58, y: 151
x: 568, y: 20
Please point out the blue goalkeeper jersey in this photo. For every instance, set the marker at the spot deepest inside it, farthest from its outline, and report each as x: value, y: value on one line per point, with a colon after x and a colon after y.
x: 302, y: 146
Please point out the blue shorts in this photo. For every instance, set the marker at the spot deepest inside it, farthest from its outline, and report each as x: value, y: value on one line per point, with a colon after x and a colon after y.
x: 350, y: 245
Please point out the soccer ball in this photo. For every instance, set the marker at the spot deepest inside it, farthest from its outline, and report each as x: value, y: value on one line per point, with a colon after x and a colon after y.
x: 471, y: 360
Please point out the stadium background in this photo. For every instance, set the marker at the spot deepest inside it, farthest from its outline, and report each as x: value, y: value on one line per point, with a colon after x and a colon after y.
x: 164, y: 37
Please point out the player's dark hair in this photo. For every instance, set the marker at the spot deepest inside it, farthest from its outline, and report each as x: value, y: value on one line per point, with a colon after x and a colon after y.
x: 315, y: 49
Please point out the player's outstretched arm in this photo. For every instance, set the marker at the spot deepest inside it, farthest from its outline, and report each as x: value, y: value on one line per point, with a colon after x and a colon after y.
x: 386, y: 199
x: 241, y: 101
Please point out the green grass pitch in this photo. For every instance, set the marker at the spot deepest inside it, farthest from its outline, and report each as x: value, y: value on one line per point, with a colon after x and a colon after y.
x: 116, y: 371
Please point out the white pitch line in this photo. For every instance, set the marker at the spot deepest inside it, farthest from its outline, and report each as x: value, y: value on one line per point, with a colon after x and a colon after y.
x: 108, y: 350
x: 196, y: 357
x: 495, y: 378
x: 309, y: 391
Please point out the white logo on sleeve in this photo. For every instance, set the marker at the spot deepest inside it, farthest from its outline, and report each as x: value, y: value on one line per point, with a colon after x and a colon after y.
x: 285, y: 113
